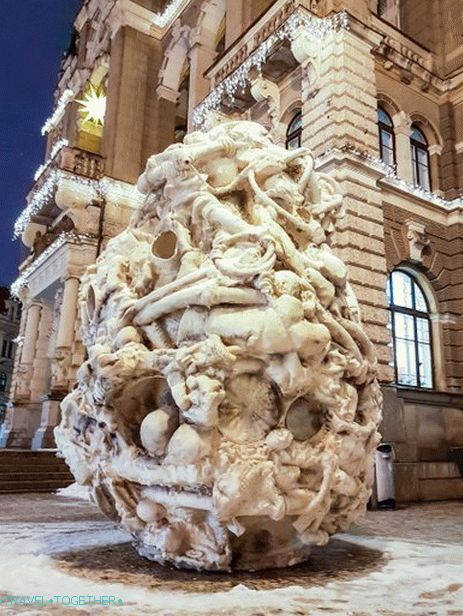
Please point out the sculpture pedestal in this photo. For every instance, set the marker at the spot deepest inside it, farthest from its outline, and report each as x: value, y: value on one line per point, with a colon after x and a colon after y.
x: 51, y: 414
x: 20, y: 425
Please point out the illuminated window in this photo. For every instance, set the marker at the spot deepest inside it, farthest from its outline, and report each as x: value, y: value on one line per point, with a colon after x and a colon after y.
x: 3, y: 378
x: 294, y: 132
x: 411, y: 331
x: 386, y: 137
x: 420, y: 158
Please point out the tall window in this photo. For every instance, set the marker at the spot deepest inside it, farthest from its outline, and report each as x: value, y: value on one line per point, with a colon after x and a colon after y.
x: 389, y: 10
x: 386, y: 137
x: 411, y: 331
x: 294, y: 132
x: 2, y: 381
x: 420, y: 158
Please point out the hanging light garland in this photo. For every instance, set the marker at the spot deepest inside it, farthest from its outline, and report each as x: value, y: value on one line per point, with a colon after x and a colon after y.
x: 62, y: 238
x: 42, y: 195
x: 55, y: 117
x: 101, y: 188
x: 163, y: 19
x: 237, y: 81
x: 54, y: 151
x: 421, y: 193
x: 390, y: 176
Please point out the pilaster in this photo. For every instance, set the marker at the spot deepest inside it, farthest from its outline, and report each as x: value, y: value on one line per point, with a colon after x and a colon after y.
x: 402, y: 127
x: 201, y: 57
x: 339, y: 121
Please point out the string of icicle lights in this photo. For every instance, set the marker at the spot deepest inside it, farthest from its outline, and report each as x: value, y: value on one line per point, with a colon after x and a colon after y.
x: 162, y: 19
x: 68, y: 236
x: 55, y: 117
x: 42, y: 195
x: 390, y: 174
x: 317, y: 27
x: 54, y: 151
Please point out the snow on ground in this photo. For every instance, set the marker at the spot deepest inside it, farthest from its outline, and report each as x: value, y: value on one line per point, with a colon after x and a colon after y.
x: 395, y: 563
x: 74, y: 491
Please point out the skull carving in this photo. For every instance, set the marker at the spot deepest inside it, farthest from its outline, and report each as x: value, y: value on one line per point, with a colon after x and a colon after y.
x: 228, y: 409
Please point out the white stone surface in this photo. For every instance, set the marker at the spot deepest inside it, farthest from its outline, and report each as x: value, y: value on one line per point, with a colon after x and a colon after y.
x: 229, y: 382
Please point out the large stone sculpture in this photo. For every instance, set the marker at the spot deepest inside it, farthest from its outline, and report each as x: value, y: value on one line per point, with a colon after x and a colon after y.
x: 228, y: 409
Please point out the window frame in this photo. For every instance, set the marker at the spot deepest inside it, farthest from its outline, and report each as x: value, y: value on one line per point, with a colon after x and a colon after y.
x: 388, y: 128
x: 416, y: 145
x: 295, y: 133
x: 3, y: 381
x: 415, y: 314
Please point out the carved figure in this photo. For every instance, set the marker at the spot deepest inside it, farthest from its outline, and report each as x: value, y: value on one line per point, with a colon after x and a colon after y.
x: 228, y: 409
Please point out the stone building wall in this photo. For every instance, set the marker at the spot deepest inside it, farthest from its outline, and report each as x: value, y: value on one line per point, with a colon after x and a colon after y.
x: 409, y: 60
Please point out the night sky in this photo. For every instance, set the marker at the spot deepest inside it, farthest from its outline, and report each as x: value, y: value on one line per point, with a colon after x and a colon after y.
x: 34, y: 34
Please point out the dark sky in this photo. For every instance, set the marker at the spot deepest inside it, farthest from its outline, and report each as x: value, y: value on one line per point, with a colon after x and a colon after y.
x: 34, y: 34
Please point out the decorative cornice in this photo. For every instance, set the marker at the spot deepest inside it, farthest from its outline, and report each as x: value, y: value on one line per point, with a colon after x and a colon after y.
x: 389, y: 176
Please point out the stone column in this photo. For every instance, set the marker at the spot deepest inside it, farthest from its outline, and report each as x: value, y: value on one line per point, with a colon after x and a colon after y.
x: 31, y: 334
x: 68, y: 315
x: 61, y: 364
x: 20, y: 422
x: 40, y: 366
x: 402, y: 128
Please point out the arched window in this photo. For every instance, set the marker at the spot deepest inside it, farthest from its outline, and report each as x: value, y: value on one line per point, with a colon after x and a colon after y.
x: 386, y: 137
x: 3, y: 378
x: 294, y: 132
x: 411, y: 331
x: 420, y: 158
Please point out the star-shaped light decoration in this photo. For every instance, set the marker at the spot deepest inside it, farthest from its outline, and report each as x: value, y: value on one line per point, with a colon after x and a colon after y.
x: 93, y: 105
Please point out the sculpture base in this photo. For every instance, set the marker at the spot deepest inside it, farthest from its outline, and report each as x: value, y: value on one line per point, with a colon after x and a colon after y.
x: 262, y: 544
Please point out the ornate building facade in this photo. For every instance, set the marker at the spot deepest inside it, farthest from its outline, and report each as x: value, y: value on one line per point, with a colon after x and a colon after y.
x: 373, y: 87
x: 10, y: 315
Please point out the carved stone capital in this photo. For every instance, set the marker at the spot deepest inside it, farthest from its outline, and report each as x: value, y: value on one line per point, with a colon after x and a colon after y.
x: 402, y: 122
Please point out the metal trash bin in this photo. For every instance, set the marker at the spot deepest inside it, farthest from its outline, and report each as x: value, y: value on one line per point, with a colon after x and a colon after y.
x: 384, y: 470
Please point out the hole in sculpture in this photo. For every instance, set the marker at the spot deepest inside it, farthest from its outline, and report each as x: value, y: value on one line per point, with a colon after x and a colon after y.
x: 142, y: 397
x: 304, y: 419
x: 165, y: 245
x: 91, y: 302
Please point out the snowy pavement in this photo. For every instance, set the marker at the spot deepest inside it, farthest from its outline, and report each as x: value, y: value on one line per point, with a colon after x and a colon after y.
x: 56, y: 551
